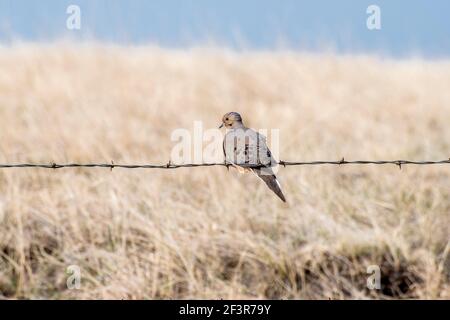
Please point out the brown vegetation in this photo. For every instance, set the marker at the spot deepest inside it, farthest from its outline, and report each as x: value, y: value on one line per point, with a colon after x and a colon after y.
x: 206, y: 232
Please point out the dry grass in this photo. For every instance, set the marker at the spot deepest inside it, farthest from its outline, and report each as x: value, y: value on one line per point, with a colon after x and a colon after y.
x: 206, y: 232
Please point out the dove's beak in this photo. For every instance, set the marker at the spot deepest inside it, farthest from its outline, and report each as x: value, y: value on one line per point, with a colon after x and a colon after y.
x: 220, y: 127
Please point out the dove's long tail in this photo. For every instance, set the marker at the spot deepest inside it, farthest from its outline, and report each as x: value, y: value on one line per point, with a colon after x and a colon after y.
x: 272, y: 182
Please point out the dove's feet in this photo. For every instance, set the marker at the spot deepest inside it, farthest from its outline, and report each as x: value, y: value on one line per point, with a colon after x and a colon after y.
x: 227, y: 165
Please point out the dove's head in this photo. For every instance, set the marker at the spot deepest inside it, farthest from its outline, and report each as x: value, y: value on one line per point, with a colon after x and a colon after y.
x: 231, y: 120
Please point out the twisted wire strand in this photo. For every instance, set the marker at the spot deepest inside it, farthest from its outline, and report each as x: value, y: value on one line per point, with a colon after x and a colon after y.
x: 170, y: 165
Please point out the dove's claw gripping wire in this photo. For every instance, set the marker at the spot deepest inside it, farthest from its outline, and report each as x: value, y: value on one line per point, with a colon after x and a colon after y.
x: 226, y: 164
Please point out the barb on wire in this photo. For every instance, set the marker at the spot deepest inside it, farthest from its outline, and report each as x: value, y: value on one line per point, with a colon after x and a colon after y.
x: 170, y: 165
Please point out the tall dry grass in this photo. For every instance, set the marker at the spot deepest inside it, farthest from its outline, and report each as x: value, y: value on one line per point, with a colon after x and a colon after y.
x: 206, y: 232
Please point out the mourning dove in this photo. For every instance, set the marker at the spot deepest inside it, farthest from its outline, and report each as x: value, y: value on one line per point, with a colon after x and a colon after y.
x: 247, y: 151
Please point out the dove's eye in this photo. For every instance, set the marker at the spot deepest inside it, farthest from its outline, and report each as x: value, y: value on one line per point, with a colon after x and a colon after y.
x: 226, y: 119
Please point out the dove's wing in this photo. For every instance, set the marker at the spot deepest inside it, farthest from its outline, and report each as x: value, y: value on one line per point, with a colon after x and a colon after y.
x: 247, y: 148
x: 262, y: 152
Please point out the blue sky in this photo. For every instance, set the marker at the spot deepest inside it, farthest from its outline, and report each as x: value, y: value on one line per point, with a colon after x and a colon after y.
x: 411, y: 27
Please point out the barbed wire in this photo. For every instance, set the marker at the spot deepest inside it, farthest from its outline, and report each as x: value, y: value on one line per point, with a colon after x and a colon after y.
x: 170, y: 165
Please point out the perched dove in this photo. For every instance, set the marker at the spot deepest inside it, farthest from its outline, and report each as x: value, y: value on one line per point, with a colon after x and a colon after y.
x: 247, y: 150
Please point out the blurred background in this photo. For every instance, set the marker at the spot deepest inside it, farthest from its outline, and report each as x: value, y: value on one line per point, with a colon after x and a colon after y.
x: 135, y: 71
x: 416, y: 27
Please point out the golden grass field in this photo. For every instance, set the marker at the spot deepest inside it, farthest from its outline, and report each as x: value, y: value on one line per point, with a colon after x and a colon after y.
x: 206, y: 232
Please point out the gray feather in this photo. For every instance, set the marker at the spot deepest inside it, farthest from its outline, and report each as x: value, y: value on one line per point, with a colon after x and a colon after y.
x: 272, y: 182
